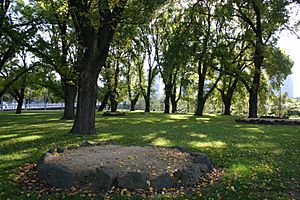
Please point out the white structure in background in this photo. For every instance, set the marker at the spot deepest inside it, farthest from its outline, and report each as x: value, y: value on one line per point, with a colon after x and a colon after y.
x: 288, y: 87
x: 158, y: 87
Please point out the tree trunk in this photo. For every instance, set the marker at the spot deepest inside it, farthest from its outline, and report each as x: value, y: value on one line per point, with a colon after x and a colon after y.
x: 227, y: 97
x: 258, y: 61
x: 104, y: 102
x: 70, y: 91
x: 147, y: 103
x: 20, y: 102
x: 147, y: 98
x: 113, y: 103
x: 174, y: 104
x: 86, y: 104
x: 227, y: 105
x: 200, y: 107
x: 168, y: 91
x: 253, y: 100
x: 132, y: 104
x: 200, y: 99
x: 173, y: 100
x: 167, y: 104
x: 96, y: 43
x: 21, y: 96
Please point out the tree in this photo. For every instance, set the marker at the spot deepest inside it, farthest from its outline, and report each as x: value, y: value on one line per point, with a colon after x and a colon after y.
x: 145, y: 47
x: 15, y: 29
x: 170, y: 52
x: 132, y: 85
x: 205, y: 34
x: 227, y: 90
x: 59, y: 51
x: 260, y: 21
x: 174, y: 96
x: 95, y: 23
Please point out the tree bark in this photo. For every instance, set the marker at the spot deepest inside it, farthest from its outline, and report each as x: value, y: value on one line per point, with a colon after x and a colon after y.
x: 21, y: 95
x: 133, y: 102
x: 20, y: 100
x: 253, y: 100
x: 201, y: 80
x: 95, y: 38
x: 227, y: 105
x: 86, y: 104
x: 70, y: 91
x: 258, y: 58
x: 174, y: 105
x: 104, y: 101
x: 113, y: 102
x: 147, y: 103
x: 114, y: 94
x: 202, y: 95
x: 227, y: 97
x: 173, y: 99
x: 168, y: 91
x: 200, y: 107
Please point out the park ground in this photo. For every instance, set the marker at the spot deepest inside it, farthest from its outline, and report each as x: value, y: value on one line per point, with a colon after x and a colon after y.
x: 259, y: 161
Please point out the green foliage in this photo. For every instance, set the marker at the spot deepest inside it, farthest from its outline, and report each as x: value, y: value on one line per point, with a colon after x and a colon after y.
x: 278, y: 65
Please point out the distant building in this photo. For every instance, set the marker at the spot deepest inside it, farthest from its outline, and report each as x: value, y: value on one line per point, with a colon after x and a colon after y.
x: 158, y: 86
x: 288, y: 87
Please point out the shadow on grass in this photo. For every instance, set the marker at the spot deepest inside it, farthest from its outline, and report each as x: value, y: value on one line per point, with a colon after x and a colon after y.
x: 254, y: 156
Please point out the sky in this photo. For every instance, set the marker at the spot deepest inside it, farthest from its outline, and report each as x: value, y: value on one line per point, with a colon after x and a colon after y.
x: 291, y: 45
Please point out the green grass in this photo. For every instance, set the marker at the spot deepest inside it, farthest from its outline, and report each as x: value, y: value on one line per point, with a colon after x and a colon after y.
x: 260, y: 161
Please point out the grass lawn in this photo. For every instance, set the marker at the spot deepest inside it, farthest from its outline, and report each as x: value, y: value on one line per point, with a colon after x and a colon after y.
x: 260, y: 161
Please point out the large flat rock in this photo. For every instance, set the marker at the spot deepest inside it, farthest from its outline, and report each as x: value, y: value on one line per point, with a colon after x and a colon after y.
x: 131, y: 167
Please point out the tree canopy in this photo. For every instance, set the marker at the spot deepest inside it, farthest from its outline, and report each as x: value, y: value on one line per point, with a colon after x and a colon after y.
x: 115, y: 50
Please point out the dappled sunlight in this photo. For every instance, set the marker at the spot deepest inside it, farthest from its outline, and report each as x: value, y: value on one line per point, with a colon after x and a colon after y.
x: 46, y: 125
x: 263, y: 168
x: 211, y: 144
x: 198, y: 135
x: 179, y: 116
x: 162, y: 142
x: 253, y: 130
x: 8, y: 136
x: 240, y: 169
x: 16, y: 155
x: 149, y: 137
x: 27, y: 138
x: 203, y: 119
x: 107, y: 137
x: 260, y: 145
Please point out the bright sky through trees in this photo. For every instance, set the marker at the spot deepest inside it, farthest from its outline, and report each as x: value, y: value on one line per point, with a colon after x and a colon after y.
x: 291, y: 45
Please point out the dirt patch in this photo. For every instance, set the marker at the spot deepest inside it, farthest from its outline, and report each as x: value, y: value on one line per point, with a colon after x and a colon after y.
x: 129, y: 167
x: 153, y: 161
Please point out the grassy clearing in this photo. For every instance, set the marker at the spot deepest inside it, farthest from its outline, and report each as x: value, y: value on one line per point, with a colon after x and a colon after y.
x: 260, y: 161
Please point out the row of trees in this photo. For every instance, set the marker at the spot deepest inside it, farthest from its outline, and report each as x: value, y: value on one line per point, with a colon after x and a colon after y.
x: 196, y: 47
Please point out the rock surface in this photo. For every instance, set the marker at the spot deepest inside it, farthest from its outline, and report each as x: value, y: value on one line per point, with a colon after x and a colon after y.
x: 113, y: 114
x: 57, y: 175
x: 105, y: 176
x: 130, y: 167
x: 163, y: 181
x: 270, y: 121
x: 132, y: 180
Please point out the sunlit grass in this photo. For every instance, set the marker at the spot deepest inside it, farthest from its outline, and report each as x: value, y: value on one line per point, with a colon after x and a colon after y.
x: 260, y: 161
